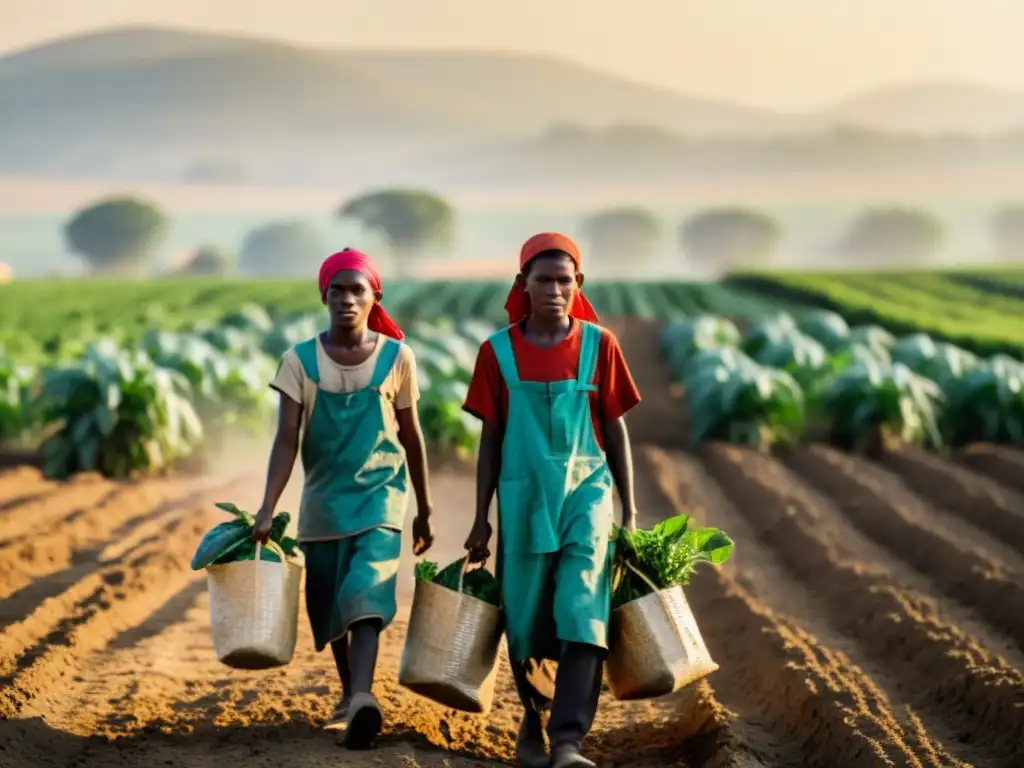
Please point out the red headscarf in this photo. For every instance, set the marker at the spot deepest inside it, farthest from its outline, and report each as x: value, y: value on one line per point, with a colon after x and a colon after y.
x: 356, y: 261
x: 518, y: 303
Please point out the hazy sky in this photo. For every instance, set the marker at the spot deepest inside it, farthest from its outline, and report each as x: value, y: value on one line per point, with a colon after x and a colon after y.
x: 788, y: 54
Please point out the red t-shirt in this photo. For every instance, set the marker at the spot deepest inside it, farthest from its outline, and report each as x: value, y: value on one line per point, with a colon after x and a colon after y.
x: 616, y: 392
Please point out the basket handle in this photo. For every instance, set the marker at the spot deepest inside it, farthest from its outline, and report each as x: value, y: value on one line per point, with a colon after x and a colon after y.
x: 638, y: 572
x: 273, y: 546
x: 672, y: 618
x: 256, y: 580
x: 462, y: 572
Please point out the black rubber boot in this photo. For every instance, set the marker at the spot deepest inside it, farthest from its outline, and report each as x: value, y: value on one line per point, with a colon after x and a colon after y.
x: 567, y: 755
x: 365, y: 719
x: 531, y: 746
x: 577, y: 690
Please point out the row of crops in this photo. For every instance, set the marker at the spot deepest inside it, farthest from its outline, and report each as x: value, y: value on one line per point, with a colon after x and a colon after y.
x: 120, y: 407
x: 812, y: 376
x: 1007, y: 283
x: 979, y: 311
x: 54, y: 313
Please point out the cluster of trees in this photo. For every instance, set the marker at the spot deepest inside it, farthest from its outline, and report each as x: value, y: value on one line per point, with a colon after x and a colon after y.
x: 120, y: 235
x: 719, y: 235
x: 737, y: 236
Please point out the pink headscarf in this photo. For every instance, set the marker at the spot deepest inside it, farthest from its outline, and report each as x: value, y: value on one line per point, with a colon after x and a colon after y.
x: 350, y: 260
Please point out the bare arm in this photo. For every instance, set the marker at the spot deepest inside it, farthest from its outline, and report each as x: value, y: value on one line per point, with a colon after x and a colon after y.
x: 410, y: 435
x: 620, y: 462
x: 488, y: 468
x: 283, y: 451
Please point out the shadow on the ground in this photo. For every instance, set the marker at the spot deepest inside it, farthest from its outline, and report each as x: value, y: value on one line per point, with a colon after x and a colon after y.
x: 32, y: 743
x: 172, y: 612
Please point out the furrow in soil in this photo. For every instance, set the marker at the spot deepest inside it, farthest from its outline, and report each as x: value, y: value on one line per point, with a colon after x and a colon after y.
x: 1004, y: 465
x: 37, y: 558
x: 978, y: 499
x: 127, y: 593
x: 958, y: 560
x: 65, y: 502
x: 885, y: 727
x: 941, y: 669
x: 20, y: 484
x: 28, y: 619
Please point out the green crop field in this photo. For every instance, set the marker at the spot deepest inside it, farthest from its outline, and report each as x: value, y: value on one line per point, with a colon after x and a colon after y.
x: 1007, y: 283
x: 126, y: 309
x: 979, y: 311
x: 125, y: 376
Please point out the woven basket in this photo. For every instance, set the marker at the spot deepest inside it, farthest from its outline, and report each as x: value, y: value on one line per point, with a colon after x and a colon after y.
x: 451, y: 647
x: 254, y: 611
x: 655, y: 647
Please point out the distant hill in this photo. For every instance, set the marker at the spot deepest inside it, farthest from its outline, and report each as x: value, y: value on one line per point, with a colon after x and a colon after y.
x: 489, y: 90
x: 576, y: 158
x: 167, y: 105
x: 935, y: 108
x: 125, y: 45
x: 107, y: 101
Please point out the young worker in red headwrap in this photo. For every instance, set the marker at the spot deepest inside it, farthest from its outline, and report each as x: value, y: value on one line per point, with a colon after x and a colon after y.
x: 552, y: 390
x: 351, y: 394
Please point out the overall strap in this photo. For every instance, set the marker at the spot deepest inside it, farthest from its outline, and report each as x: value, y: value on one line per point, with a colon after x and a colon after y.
x: 306, y: 352
x: 385, y: 361
x: 589, y: 348
x: 501, y: 343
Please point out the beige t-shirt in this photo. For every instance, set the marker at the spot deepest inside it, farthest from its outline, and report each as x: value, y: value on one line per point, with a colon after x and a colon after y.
x: 400, y: 387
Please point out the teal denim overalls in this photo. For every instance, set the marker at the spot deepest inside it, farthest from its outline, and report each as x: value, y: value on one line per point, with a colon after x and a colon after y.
x: 354, y: 501
x: 555, y: 509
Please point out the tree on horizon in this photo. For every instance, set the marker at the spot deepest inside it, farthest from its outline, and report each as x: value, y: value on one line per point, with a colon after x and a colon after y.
x: 411, y: 220
x: 730, y: 236
x: 117, y: 235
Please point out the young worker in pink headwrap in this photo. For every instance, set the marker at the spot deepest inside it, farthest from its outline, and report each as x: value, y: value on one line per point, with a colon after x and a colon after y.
x: 348, y: 403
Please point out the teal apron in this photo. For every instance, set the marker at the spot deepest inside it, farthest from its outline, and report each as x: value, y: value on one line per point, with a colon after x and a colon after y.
x: 354, y: 502
x: 555, y: 510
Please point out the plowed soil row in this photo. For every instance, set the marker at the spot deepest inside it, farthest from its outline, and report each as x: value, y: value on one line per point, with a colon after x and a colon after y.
x: 979, y: 501
x: 968, y: 566
x: 842, y: 638
x: 1004, y: 465
x: 948, y: 673
x: 118, y: 669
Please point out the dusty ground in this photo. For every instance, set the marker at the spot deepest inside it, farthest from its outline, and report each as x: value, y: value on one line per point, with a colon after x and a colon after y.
x: 873, y: 615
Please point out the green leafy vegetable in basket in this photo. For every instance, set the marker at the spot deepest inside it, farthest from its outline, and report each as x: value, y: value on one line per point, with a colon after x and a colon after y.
x: 662, y: 557
x: 232, y: 542
x: 478, y: 582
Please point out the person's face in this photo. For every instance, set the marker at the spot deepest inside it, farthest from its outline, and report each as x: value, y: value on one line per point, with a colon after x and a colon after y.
x: 350, y: 299
x: 551, y: 282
